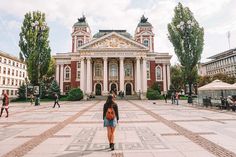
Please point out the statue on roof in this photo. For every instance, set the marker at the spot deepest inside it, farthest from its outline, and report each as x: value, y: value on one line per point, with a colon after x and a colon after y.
x: 82, y: 19
x: 143, y: 19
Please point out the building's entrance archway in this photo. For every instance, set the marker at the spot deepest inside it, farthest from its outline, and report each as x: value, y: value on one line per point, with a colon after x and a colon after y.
x: 128, y: 89
x: 98, y: 89
x: 113, y: 88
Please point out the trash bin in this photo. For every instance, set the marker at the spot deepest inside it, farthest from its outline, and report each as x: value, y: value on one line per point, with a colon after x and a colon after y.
x: 37, y: 101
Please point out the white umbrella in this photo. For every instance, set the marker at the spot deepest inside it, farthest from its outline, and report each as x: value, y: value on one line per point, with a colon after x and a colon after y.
x: 217, y: 85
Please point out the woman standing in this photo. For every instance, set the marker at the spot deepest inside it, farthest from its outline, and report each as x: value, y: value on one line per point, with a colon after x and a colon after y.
x: 110, y: 117
x: 5, y: 102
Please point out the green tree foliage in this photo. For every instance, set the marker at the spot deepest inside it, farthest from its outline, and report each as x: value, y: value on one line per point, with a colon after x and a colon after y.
x: 22, y: 91
x: 187, y: 38
x: 154, y: 92
x: 34, y: 45
x: 203, y: 80
x: 54, y: 88
x: 155, y: 86
x: 75, y: 94
x: 176, y: 75
x: 49, y: 76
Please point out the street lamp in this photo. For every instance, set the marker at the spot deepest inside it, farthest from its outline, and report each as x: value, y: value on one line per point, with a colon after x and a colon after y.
x: 185, y: 28
x: 39, y: 28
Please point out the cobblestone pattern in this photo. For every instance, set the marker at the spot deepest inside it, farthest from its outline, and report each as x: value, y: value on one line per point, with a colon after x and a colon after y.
x: 148, y: 140
x: 117, y: 155
x: 194, y: 137
x: 29, y: 145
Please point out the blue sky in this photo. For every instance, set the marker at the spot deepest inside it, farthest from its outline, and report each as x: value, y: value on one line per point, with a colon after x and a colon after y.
x: 216, y: 16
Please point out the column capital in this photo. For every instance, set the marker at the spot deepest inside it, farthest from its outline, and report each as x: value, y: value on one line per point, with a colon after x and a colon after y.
x: 81, y: 58
x: 105, y: 58
x: 88, y: 58
x: 138, y: 58
x: 122, y: 58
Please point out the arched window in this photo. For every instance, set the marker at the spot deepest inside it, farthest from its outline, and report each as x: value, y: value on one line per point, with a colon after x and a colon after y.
x: 158, y: 73
x: 128, y: 70
x: 113, y: 70
x: 98, y: 70
x: 67, y: 73
x: 80, y: 43
x: 146, y: 42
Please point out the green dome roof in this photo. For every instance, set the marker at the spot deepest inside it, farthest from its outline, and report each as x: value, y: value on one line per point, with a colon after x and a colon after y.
x: 81, y: 22
x: 143, y: 22
x: 104, y: 32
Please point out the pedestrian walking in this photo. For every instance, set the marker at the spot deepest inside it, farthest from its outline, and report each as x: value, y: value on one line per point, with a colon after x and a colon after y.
x: 173, y: 98
x: 165, y: 97
x: 111, y: 118
x: 56, y: 99
x: 5, y: 103
x: 31, y: 99
x: 177, y: 98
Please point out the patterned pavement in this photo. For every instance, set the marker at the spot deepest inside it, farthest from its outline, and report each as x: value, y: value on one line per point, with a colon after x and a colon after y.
x: 145, y: 129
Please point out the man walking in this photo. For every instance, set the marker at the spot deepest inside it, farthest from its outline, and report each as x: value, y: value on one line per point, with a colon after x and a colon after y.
x: 56, y: 99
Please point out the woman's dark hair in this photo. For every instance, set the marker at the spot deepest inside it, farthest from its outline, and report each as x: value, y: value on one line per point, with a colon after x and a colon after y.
x: 110, y: 101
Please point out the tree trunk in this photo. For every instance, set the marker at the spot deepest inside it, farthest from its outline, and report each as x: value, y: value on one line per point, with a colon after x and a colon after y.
x: 190, y: 93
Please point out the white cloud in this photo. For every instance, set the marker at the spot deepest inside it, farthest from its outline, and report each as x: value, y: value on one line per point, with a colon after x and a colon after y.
x: 125, y: 14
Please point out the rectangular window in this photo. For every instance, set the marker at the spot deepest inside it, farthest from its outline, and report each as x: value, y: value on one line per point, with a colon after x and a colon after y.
x: 8, y: 72
x: 4, y: 70
x: 0, y: 69
x: 12, y: 72
x: 3, y: 81
x: 78, y: 70
x: 148, y: 71
x: 12, y: 92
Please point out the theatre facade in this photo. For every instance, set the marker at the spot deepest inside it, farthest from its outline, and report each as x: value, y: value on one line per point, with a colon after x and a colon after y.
x: 112, y: 60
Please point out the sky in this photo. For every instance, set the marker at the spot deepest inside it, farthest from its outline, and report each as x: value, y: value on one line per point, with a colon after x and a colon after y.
x: 217, y: 17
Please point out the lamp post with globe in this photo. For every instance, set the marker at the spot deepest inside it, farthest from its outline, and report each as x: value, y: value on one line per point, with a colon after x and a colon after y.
x: 38, y: 28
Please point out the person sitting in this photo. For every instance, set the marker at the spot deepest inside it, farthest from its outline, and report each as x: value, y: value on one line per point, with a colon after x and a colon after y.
x: 231, y: 102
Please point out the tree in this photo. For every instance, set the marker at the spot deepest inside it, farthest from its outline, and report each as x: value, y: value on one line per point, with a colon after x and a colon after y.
x: 177, y: 81
x: 50, y: 75
x: 187, y: 38
x: 34, y: 45
x: 54, y: 88
x: 75, y: 94
x: 22, y: 91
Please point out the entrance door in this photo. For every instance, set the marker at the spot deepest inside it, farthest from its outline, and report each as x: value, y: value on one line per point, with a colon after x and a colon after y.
x: 98, y: 89
x: 113, y: 87
x: 128, y: 89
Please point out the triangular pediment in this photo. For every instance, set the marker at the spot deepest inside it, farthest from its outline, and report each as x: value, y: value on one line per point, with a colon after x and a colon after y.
x: 113, y: 41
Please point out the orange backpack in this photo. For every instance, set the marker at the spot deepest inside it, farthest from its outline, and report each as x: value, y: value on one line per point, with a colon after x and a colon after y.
x: 110, y: 115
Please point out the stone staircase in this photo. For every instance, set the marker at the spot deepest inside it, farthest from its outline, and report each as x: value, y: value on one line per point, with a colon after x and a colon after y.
x: 128, y: 97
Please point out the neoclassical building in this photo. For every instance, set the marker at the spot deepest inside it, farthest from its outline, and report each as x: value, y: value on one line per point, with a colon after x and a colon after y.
x: 112, y: 60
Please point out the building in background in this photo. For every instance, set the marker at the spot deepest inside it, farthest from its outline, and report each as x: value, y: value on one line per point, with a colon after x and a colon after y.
x: 224, y: 62
x: 12, y: 74
x: 112, y: 60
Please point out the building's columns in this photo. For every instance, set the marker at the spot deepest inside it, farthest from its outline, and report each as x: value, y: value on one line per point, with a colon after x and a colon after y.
x: 57, y: 73
x: 122, y: 76
x: 61, y: 77
x: 75, y: 43
x: 105, y: 91
x: 168, y: 76
x: 82, y: 75
x: 135, y: 70
x: 164, y: 79
x: 138, y: 75
x: 89, y: 80
x: 144, y: 76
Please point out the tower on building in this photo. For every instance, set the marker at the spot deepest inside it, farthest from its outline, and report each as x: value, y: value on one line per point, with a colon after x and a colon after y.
x: 144, y: 33
x: 81, y: 33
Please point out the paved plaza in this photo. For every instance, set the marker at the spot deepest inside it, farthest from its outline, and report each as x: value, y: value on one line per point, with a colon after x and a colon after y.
x: 146, y: 129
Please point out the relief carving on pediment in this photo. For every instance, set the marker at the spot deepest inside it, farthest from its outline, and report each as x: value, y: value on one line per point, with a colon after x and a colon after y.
x: 113, y: 42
